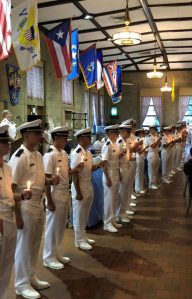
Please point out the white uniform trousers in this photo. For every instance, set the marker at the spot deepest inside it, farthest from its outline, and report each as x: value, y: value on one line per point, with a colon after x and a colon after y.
x: 81, y: 210
x: 111, y: 196
x: 153, y: 167
x: 56, y: 224
x: 173, y: 158
x: 166, y: 162
x: 139, y: 176
x: 28, y: 243
x: 132, y: 173
x: 179, y: 151
x: 124, y: 193
x: 7, y: 251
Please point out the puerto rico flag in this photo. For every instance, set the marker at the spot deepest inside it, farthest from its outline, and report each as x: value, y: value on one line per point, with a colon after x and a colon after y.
x: 58, y: 42
x: 110, y: 77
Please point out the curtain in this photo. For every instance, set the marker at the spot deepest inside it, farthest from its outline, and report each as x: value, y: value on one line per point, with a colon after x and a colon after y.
x: 183, y: 105
x: 102, y: 112
x: 145, y: 102
x: 35, y: 83
x: 67, y: 91
x: 94, y: 104
x: 157, y: 107
x: 87, y: 106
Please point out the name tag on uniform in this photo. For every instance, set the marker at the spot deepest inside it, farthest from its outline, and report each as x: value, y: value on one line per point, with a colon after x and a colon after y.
x: 32, y: 164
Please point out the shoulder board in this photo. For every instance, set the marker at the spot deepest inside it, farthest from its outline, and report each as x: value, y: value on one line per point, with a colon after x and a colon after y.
x: 108, y: 142
x: 149, y: 135
x: 5, y: 161
x: 78, y: 150
x: 120, y: 141
x: 50, y: 150
x: 19, y: 152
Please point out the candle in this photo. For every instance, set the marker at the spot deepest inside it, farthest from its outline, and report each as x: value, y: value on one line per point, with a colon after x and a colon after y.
x: 133, y: 155
x: 82, y: 158
x: 28, y: 185
x: 57, y: 171
x: 124, y: 145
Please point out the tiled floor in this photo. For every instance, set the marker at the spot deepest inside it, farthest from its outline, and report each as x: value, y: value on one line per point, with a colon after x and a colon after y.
x: 150, y: 258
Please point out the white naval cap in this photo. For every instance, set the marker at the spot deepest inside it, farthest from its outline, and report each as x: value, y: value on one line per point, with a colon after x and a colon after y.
x: 112, y: 128
x: 129, y: 121
x: 152, y: 126
x: 83, y: 132
x: 167, y: 128
x: 141, y: 130
x: 4, y: 135
x: 32, y: 126
x: 60, y: 131
x: 125, y: 127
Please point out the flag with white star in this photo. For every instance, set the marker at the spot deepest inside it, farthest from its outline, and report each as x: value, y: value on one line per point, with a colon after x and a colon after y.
x: 58, y: 42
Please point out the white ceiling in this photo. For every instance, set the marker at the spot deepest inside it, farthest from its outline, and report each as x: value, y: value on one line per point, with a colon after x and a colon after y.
x: 173, y: 17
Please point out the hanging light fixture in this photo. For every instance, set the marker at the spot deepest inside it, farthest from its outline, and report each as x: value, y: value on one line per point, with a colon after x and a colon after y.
x: 155, y: 74
x: 166, y: 88
x: 127, y: 37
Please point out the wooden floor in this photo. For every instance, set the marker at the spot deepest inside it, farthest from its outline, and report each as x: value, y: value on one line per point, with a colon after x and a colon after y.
x: 150, y: 258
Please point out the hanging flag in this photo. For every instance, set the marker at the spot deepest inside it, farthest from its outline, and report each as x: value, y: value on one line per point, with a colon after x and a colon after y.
x: 110, y: 77
x: 100, y: 82
x: 5, y: 28
x: 88, y: 65
x: 25, y: 34
x: 75, y: 55
x: 173, y: 90
x: 58, y: 42
x: 117, y: 97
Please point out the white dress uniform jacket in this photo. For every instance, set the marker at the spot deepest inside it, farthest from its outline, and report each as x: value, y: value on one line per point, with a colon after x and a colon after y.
x: 166, y: 156
x: 81, y: 208
x: 110, y: 153
x: 28, y: 166
x: 153, y: 159
x: 139, y: 176
x: 124, y: 166
x: 8, y: 238
x: 56, y: 221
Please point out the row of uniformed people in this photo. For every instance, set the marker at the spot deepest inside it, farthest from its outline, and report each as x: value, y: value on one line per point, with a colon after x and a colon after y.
x: 27, y: 165
x: 31, y: 176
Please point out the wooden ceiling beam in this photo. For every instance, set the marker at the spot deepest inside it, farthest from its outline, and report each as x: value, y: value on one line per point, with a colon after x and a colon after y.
x: 152, y: 24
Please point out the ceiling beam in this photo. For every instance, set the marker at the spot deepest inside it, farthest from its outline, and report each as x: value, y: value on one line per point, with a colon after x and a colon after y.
x: 146, y: 59
x: 55, y: 3
x: 182, y: 61
x: 150, y: 19
x: 99, y: 27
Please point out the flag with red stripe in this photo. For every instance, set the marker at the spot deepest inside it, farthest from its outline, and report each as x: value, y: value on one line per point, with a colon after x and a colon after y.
x: 110, y: 77
x: 5, y: 28
x: 58, y: 42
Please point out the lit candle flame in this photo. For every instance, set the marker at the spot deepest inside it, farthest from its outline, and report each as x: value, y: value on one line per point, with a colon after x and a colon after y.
x: 57, y: 170
x: 28, y: 185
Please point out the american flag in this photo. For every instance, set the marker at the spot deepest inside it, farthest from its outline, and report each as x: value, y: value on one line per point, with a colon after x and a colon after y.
x: 30, y: 33
x: 5, y: 28
x: 110, y: 77
x: 58, y: 42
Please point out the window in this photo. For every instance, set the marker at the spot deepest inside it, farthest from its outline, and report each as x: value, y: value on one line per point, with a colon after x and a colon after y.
x: 94, y: 106
x: 35, y: 83
x: 102, y: 111
x: 87, y: 106
x: 67, y: 91
x: 185, y: 109
x: 150, y: 111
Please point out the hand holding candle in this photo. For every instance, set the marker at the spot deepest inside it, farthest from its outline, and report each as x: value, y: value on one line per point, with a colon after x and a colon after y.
x: 27, y: 193
x: 28, y: 185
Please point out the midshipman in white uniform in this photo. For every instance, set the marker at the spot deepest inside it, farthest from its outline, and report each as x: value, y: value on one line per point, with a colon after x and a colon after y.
x: 8, y: 231
x: 81, y: 189
x: 28, y: 173
x: 58, y: 198
x: 111, y: 179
